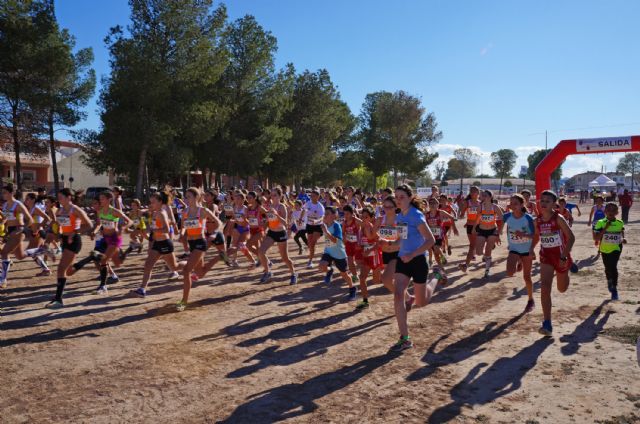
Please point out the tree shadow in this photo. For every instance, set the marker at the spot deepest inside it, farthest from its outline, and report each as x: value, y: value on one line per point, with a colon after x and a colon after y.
x: 273, y: 356
x: 297, y: 399
x: 504, y: 376
x: 460, y: 350
x: 586, y: 332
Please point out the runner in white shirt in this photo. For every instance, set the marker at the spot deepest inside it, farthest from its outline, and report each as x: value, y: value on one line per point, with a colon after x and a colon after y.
x: 314, y: 214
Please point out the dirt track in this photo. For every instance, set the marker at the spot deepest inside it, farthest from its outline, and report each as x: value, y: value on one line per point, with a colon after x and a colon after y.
x: 249, y: 353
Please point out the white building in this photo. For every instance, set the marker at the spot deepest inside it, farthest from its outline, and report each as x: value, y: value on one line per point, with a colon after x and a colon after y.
x: 72, y: 166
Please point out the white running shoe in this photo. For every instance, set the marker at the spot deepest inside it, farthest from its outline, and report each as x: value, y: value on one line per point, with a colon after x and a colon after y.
x: 174, y: 275
x: 102, y: 290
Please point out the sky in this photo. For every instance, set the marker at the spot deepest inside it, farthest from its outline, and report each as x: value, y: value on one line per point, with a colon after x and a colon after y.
x: 496, y: 74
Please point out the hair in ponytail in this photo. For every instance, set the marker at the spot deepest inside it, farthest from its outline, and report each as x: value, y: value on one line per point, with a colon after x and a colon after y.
x: 413, y: 200
x: 520, y: 199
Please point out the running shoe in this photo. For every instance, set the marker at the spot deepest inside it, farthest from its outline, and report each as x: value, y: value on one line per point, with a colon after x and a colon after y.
x: 352, y: 294
x: 140, y: 292
x: 402, y: 344
x: 181, y: 306
x: 54, y: 304
x: 546, y: 329
x: 102, y: 290
x: 235, y: 264
x: 173, y: 276
x: 463, y: 268
x: 257, y: 264
x: 614, y: 294
x: 328, y: 275
x: 362, y: 305
x: 310, y: 265
x: 530, y: 305
x: 265, y: 277
x: 194, y: 277
x: 44, y: 273
x: 486, y: 273
x: 443, y: 258
x: 112, y: 279
x: 574, y: 268
x: 294, y: 280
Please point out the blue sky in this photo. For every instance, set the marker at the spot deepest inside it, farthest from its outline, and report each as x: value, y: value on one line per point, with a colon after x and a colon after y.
x: 497, y: 74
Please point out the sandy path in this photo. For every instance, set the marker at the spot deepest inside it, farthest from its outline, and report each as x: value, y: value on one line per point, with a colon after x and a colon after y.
x: 245, y: 352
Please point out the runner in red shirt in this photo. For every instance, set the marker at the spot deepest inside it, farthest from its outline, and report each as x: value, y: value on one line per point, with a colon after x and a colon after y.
x: 447, y: 223
x: 351, y: 232
x: 556, y: 240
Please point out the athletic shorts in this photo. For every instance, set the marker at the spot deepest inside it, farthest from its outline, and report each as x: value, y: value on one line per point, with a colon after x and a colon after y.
x: 486, y: 233
x: 469, y: 228
x: 417, y: 269
x: 277, y: 236
x: 72, y: 243
x: 30, y: 234
x: 352, y: 248
x: 553, y: 258
x: 341, y: 264
x: 438, y: 242
x: 100, y: 246
x: 374, y: 261
x: 164, y: 247
x: 255, y: 230
x: 217, y: 238
x: 314, y: 229
x: 15, y: 230
x: 198, y: 244
x: 241, y: 229
x: 388, y: 257
x: 114, y: 239
x: 518, y: 253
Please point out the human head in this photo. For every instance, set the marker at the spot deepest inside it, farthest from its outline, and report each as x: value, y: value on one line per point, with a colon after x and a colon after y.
x: 611, y: 211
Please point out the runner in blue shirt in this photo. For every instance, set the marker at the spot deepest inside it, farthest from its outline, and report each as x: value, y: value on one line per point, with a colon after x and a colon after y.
x: 415, y: 240
x: 334, y: 251
x: 520, y: 232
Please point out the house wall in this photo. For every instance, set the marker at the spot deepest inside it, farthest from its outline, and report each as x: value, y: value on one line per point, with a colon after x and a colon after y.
x: 83, y: 176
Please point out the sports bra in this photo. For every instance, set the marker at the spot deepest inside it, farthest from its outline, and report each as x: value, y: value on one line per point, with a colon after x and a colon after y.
x: 67, y: 222
x: 274, y: 222
x: 157, y: 228
x: 108, y: 220
x: 10, y: 214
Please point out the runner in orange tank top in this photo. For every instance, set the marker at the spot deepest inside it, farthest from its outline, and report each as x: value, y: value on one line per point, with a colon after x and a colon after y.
x: 471, y: 207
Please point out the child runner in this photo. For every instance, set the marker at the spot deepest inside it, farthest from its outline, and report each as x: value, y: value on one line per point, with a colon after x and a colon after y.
x: 520, y: 232
x: 556, y: 241
x: 314, y: 213
x: 471, y: 207
x: 447, y: 223
x: 488, y: 227
x: 351, y: 232
x: 435, y: 220
x: 334, y: 251
x: 416, y: 240
x: 597, y: 213
x: 371, y: 254
x: 389, y: 237
x: 609, y: 232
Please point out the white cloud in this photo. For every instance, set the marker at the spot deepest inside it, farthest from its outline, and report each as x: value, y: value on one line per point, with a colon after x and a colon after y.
x: 574, y: 164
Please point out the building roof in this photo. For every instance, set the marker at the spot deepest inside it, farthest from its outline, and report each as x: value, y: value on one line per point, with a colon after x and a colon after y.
x: 490, y: 181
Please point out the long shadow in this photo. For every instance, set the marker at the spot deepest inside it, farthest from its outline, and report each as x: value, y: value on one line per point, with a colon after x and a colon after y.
x: 517, y: 294
x: 586, y: 332
x: 504, y: 376
x: 587, y: 262
x: 57, y: 334
x: 273, y: 356
x: 297, y: 330
x: 309, y: 293
x: 447, y: 293
x: 298, y: 399
x: 461, y: 350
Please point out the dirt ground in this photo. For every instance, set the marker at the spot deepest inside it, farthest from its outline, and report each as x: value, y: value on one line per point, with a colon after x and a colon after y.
x: 245, y: 352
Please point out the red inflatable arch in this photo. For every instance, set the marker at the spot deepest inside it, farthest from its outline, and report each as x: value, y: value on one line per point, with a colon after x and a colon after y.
x: 580, y: 147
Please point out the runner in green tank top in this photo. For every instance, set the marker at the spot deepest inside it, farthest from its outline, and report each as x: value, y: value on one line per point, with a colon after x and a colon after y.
x: 609, y: 232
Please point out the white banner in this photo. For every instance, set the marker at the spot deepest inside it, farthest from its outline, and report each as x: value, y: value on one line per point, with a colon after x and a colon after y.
x: 607, y: 144
x: 423, y: 192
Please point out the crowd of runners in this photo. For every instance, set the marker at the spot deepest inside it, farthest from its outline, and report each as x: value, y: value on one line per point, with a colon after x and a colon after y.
x: 392, y: 237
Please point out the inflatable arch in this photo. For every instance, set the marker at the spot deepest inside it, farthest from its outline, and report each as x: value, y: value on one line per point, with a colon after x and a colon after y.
x: 580, y: 147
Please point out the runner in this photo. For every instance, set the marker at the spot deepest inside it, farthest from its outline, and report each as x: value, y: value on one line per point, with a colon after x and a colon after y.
x: 556, y: 241
x: 108, y: 221
x: 351, y: 239
x: 194, y: 218
x: 162, y: 244
x: 488, y: 227
x: 532, y: 207
x: 314, y: 212
x: 416, y: 240
x: 609, y: 232
x: 334, y: 251
x: 435, y: 220
x: 520, y: 233
x: 447, y: 223
x: 562, y: 210
x: 137, y: 232
x: 71, y: 220
x: 16, y: 218
x: 240, y: 233
x: 36, y: 233
x: 371, y: 254
x: 277, y: 222
x: 256, y: 227
x: 470, y: 206
x: 298, y: 226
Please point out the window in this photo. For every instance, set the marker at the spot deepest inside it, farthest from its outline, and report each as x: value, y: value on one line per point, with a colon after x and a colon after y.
x: 29, y: 176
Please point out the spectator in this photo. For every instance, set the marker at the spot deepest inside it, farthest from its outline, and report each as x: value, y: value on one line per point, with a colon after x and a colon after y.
x: 626, y: 201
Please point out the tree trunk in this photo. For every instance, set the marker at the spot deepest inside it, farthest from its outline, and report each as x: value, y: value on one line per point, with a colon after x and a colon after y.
x: 375, y: 183
x: 16, y: 147
x: 142, y: 160
x: 395, y: 177
x: 52, y: 148
x: 500, y: 189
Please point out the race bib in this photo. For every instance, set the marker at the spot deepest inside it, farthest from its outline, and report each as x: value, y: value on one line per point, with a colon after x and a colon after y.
x: 550, y: 240
x: 253, y: 222
x: 388, y: 233
x: 516, y: 239
x: 612, y: 238
x: 64, y: 221
x: 136, y: 222
x: 271, y: 216
x: 191, y: 223
x: 435, y: 231
x: 472, y: 211
x: 368, y: 246
x: 487, y: 218
x: 108, y: 225
x: 228, y: 208
x: 351, y: 238
x: 403, y: 231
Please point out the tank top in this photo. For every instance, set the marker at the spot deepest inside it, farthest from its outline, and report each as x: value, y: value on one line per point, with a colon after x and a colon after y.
x: 239, y: 215
x: 194, y: 225
x: 350, y: 232
x: 228, y: 210
x: 435, y: 224
x: 157, y: 227
x: 488, y: 217
x: 367, y: 243
x: 472, y: 212
x: 552, y: 238
x: 10, y: 213
x: 598, y: 213
x: 446, y: 220
x: 108, y: 220
x: 37, y: 218
x: 68, y: 222
x: 274, y: 221
x: 253, y: 216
